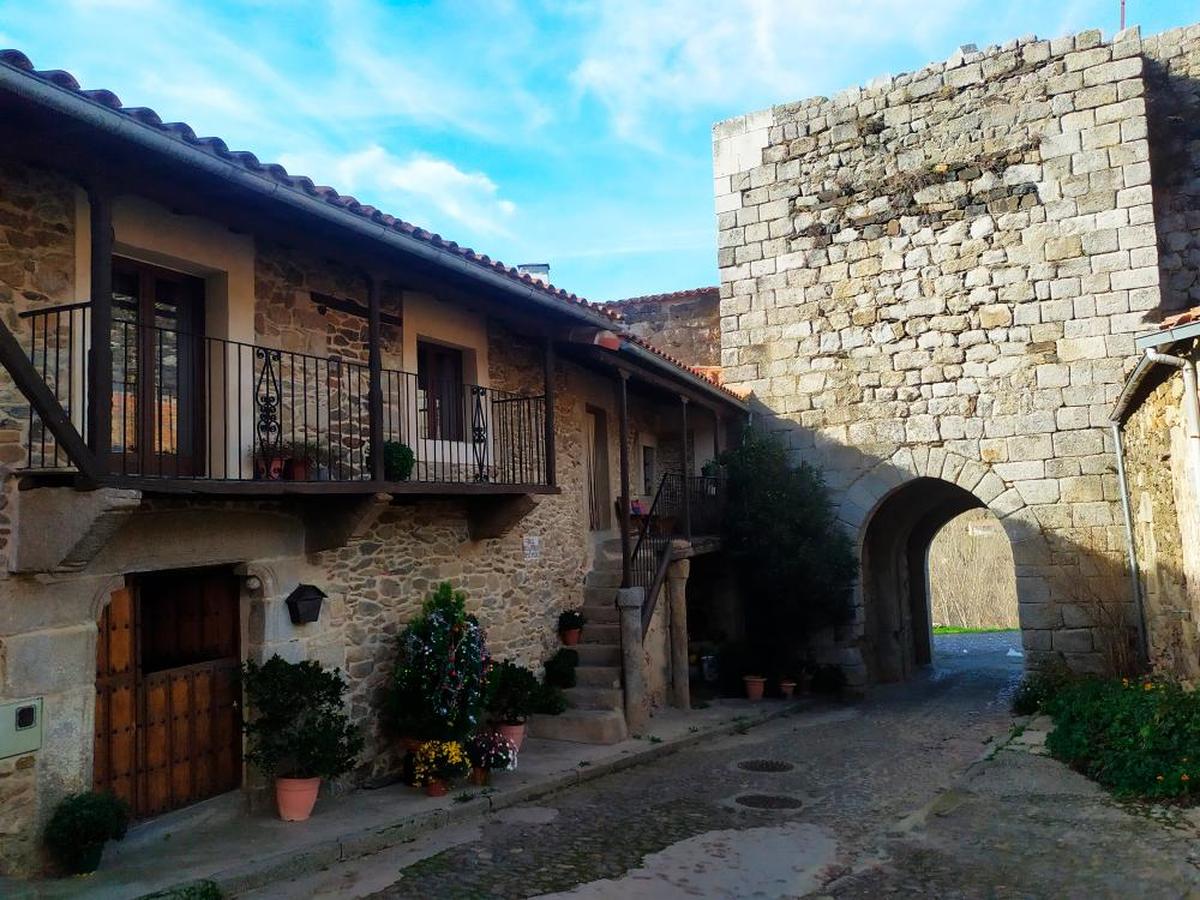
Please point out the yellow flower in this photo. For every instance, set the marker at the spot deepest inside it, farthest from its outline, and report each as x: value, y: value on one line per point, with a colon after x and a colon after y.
x: 1148, y: 686
x: 1158, y: 778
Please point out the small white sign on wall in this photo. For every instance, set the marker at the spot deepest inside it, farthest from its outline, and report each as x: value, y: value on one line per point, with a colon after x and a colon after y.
x: 533, y: 547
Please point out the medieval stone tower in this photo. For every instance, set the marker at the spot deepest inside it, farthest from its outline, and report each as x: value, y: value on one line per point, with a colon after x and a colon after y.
x: 932, y: 285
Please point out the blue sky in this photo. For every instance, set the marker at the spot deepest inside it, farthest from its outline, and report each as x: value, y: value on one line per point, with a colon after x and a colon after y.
x: 574, y: 132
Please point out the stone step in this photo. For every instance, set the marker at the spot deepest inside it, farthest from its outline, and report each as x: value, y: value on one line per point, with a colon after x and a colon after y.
x: 594, y: 698
x: 601, y: 615
x: 598, y: 677
x: 598, y: 654
x: 595, y: 632
x: 582, y: 726
x: 599, y: 596
x: 603, y: 578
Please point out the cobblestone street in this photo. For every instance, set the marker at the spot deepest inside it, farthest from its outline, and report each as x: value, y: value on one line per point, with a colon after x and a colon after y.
x: 905, y: 794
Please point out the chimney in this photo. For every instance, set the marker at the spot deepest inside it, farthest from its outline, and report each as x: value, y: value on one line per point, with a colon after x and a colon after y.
x: 536, y: 271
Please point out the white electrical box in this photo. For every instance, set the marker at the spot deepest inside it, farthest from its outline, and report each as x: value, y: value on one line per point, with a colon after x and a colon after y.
x: 20, y: 727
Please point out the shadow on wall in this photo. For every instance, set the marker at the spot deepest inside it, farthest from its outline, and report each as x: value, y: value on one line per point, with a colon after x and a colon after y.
x: 1075, y: 602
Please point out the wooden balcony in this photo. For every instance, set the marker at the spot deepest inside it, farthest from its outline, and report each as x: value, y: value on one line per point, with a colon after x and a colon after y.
x: 199, y: 414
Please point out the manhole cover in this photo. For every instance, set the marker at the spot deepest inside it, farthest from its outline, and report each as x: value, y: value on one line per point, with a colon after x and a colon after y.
x: 768, y: 801
x: 765, y: 765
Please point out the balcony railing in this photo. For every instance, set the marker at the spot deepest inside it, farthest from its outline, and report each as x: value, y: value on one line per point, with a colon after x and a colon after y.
x: 196, y: 407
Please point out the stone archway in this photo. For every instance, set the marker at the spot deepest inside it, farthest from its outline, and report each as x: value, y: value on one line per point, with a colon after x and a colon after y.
x: 894, y: 510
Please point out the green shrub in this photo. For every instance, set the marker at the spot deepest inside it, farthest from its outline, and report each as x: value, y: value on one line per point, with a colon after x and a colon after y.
x: 550, y: 701
x: 1139, y: 737
x: 512, y: 692
x: 795, y: 563
x: 1036, y: 689
x: 437, y: 686
x: 299, y: 728
x: 79, y: 828
x: 398, y: 461
x: 571, y: 618
x: 560, y: 668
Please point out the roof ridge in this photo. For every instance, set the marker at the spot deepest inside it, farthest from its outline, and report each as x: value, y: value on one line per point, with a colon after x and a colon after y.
x: 669, y: 295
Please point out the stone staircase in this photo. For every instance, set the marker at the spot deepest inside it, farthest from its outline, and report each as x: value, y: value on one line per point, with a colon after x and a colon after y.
x: 596, y: 714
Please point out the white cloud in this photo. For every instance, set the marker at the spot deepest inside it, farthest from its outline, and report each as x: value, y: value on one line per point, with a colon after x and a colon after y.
x: 419, y: 183
x: 679, y: 56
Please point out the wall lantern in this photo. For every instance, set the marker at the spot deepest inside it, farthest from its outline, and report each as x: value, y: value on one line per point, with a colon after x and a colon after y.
x: 304, y: 604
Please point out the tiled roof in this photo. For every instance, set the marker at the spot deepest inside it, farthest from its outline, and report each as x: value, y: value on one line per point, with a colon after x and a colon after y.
x: 183, y: 132
x: 276, y: 173
x: 706, y: 293
x: 1187, y: 317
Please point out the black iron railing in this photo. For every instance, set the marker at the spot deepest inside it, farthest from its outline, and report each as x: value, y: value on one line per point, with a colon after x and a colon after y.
x: 206, y: 408
x: 683, y: 507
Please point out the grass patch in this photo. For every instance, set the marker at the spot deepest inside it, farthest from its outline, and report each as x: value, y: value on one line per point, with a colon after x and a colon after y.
x: 954, y: 629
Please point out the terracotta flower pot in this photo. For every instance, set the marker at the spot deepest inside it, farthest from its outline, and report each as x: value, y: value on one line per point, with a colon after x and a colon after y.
x: 296, y: 797
x: 787, y: 688
x: 480, y: 777
x: 436, y: 788
x: 570, y: 636
x: 515, y: 733
x: 754, y: 686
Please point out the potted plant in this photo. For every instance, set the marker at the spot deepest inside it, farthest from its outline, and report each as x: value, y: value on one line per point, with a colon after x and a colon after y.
x: 787, y: 687
x: 437, y: 763
x: 302, y: 460
x: 437, y: 686
x: 299, y: 733
x: 489, y: 750
x: 754, y: 686
x: 398, y: 461
x: 570, y: 626
x: 560, y: 668
x: 512, y: 692
x: 80, y: 827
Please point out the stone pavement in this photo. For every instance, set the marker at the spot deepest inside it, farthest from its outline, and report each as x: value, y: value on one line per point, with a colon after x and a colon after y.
x: 215, y: 841
x: 914, y: 792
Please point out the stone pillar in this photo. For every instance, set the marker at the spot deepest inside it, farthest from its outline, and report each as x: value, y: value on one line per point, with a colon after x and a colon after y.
x: 629, y: 602
x: 677, y: 576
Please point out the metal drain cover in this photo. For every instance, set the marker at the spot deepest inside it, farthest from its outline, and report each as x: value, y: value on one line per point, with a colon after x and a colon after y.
x: 768, y: 801
x: 765, y: 765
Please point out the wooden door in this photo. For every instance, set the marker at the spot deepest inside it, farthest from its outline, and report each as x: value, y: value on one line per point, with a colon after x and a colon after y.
x: 168, y: 727
x: 596, y: 464
x: 158, y: 372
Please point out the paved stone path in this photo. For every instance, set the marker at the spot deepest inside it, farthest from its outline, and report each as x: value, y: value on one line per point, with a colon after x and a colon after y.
x: 906, y: 794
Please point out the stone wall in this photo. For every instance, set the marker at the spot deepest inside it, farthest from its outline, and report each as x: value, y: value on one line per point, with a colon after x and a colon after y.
x: 1172, y: 76
x: 971, y: 583
x: 685, y: 324
x: 37, y: 268
x: 1166, y: 525
x: 939, y: 275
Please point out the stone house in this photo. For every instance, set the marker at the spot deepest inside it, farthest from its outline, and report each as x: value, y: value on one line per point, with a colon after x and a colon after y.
x: 273, y: 345
x: 1157, y: 424
x: 932, y: 285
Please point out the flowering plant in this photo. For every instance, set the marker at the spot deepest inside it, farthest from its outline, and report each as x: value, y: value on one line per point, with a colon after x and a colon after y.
x: 491, y: 750
x: 439, y: 761
x: 437, y: 687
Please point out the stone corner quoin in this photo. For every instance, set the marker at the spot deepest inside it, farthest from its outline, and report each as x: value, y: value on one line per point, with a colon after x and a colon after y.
x: 941, y: 274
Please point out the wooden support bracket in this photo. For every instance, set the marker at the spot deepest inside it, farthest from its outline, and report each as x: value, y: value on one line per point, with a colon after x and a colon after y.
x: 493, y: 517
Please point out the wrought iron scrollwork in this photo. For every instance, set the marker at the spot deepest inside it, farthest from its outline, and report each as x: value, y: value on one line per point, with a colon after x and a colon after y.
x: 479, y: 432
x: 268, y: 392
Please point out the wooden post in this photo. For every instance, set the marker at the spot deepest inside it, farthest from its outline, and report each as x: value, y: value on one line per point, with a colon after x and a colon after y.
x: 548, y: 393
x: 687, y: 470
x: 375, y: 375
x: 623, y: 426
x: 100, y: 386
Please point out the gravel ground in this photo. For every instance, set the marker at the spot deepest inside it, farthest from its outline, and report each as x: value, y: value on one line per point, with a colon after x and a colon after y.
x: 904, y: 794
